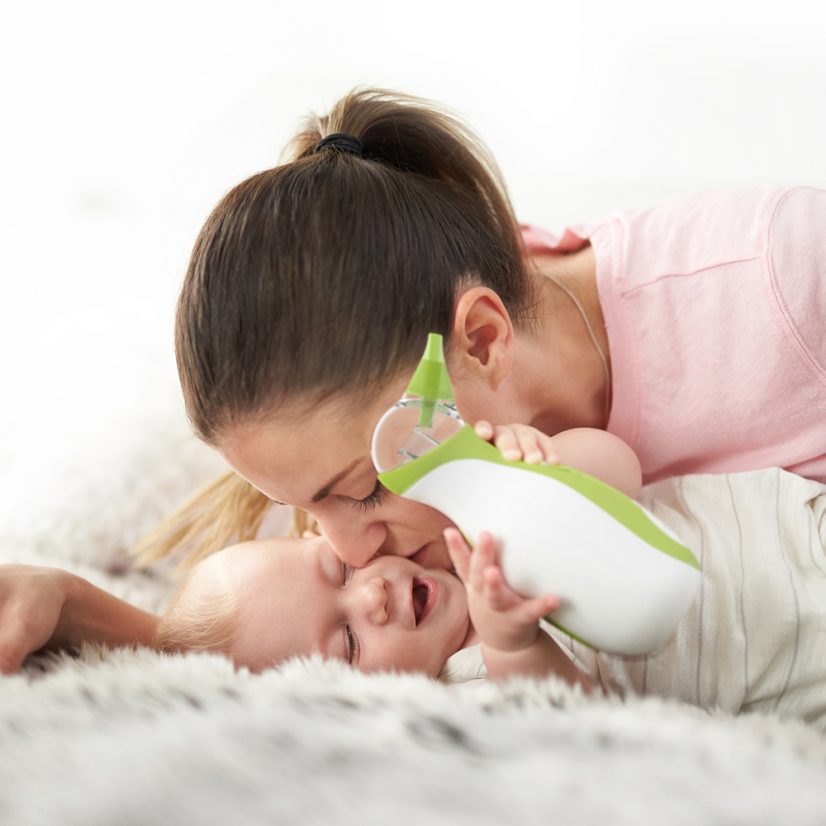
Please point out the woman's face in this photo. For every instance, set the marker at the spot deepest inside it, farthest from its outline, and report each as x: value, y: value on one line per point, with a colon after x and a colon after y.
x: 319, y: 461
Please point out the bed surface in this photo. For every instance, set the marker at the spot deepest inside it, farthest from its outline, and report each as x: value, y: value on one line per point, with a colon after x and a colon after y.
x: 137, y: 737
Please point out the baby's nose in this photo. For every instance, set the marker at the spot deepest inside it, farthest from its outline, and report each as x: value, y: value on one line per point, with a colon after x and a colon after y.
x: 376, y: 599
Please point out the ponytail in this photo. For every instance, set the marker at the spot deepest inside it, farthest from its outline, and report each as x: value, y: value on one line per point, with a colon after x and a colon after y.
x: 227, y: 511
x: 321, y: 277
x: 418, y: 137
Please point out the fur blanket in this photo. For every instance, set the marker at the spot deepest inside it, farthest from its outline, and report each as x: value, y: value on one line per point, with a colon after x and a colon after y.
x: 132, y: 737
x: 135, y: 737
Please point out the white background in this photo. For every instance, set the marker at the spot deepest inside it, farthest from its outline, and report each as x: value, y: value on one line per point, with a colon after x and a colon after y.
x: 122, y: 124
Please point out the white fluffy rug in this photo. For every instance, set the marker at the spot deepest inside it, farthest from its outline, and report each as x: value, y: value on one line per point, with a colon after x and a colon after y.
x: 133, y: 737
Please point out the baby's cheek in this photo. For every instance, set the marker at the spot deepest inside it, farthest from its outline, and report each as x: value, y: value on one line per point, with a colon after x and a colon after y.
x: 419, y: 655
x: 383, y: 654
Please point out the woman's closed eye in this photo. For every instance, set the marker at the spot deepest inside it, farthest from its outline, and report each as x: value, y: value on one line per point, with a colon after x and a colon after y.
x: 373, y: 500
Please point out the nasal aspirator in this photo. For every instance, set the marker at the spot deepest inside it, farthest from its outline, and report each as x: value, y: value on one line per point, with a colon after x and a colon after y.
x: 624, y: 580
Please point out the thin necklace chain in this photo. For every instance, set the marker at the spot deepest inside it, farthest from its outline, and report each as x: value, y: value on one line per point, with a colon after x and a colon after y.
x: 602, y: 360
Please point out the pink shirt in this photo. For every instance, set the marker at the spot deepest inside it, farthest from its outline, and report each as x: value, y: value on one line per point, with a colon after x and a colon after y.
x: 715, y: 307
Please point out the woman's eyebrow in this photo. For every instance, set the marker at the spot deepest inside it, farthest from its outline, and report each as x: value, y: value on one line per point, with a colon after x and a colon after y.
x: 325, y: 491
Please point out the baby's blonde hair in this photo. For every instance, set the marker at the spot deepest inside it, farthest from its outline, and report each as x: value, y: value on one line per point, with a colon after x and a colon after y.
x: 200, y: 619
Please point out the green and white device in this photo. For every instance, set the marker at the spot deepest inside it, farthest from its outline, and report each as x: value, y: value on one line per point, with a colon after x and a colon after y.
x: 624, y: 580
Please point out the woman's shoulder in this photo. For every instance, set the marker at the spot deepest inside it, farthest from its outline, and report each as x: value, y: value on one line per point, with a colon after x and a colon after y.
x: 689, y: 234
x: 796, y: 262
x: 685, y: 234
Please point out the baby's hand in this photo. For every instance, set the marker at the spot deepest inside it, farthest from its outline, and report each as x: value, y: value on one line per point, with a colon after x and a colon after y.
x: 519, y: 442
x: 505, y: 620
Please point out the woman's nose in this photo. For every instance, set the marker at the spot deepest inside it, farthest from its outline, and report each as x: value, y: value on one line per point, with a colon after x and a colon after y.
x: 356, y: 538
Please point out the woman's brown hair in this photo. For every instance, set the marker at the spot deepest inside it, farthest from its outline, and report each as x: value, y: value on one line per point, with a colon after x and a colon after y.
x: 321, y: 277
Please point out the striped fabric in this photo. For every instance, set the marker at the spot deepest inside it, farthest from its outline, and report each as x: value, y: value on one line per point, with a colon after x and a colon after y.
x: 756, y: 637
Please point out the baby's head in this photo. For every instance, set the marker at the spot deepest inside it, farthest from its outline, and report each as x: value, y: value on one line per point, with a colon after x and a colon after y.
x: 263, y: 602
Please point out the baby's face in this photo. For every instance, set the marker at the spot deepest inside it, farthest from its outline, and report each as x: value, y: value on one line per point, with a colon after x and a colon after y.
x: 296, y: 597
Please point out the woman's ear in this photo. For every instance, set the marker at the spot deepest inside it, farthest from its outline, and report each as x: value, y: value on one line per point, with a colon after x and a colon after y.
x: 482, y: 341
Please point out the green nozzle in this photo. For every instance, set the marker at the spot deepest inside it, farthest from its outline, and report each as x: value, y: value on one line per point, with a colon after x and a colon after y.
x: 431, y: 380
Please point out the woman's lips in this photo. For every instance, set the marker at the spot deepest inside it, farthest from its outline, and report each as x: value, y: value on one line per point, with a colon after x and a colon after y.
x: 433, y: 555
x: 424, y: 595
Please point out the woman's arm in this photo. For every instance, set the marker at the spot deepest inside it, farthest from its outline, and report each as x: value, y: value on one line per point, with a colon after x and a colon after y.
x: 596, y: 452
x: 44, y: 607
x: 600, y: 454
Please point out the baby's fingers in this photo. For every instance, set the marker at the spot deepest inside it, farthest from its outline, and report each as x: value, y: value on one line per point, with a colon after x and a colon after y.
x: 494, y: 590
x: 482, y: 558
x: 533, y: 610
x: 459, y: 552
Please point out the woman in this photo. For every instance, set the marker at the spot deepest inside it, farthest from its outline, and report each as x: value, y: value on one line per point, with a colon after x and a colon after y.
x: 691, y: 331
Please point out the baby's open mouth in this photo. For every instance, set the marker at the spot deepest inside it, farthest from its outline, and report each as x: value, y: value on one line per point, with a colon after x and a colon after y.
x: 424, y: 593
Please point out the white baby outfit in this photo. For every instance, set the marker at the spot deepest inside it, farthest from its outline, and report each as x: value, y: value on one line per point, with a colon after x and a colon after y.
x: 755, y: 638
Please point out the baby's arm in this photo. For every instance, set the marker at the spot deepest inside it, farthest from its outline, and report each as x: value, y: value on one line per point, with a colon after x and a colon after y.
x: 49, y: 608
x: 507, y: 623
x: 596, y: 452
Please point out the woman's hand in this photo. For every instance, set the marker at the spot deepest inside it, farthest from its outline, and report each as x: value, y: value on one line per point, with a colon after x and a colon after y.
x: 519, y: 442
x: 47, y: 607
x: 596, y: 452
x: 505, y: 620
x: 31, y: 602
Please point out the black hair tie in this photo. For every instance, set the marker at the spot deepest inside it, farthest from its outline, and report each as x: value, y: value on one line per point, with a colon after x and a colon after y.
x: 341, y: 142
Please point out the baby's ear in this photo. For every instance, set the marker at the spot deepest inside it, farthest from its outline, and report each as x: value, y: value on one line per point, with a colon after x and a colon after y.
x: 482, y: 340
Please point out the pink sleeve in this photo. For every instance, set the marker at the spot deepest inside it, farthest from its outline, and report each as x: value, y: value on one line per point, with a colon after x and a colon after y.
x: 714, y: 305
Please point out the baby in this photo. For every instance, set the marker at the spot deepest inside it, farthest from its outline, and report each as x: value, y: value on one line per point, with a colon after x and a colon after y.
x: 391, y: 614
x: 754, y: 639
x: 263, y: 602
